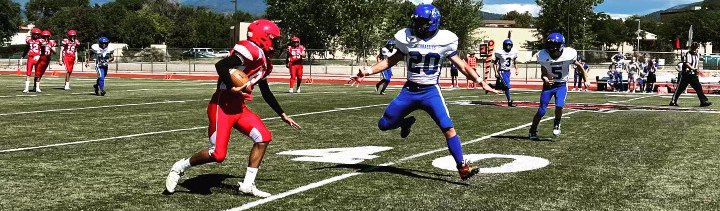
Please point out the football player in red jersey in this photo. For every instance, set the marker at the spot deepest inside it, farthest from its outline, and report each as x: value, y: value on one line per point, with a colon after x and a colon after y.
x: 227, y: 108
x: 44, y: 62
x: 33, y: 52
x: 68, y: 51
x: 295, y: 54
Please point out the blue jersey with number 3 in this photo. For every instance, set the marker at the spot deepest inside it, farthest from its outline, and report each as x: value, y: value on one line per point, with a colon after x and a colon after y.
x: 560, y: 67
x: 424, y: 57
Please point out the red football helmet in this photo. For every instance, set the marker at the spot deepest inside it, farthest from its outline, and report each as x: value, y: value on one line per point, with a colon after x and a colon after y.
x: 35, y: 31
x: 296, y: 39
x: 46, y: 33
x: 265, y: 34
x: 72, y: 33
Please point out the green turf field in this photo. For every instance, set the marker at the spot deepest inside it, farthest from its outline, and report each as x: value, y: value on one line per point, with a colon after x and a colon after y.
x: 70, y: 150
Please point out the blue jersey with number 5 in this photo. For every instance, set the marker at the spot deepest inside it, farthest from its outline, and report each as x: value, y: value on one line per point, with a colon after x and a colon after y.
x: 424, y: 57
x: 559, y: 67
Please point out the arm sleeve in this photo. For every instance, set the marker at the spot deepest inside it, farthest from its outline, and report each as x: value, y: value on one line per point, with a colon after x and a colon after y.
x: 224, y: 65
x: 269, y: 97
x: 401, y: 47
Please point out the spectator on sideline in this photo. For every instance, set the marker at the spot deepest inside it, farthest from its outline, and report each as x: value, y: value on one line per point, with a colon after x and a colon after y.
x: 453, y: 75
x: 472, y: 62
x: 632, y: 68
x: 651, y: 77
x: 578, y: 79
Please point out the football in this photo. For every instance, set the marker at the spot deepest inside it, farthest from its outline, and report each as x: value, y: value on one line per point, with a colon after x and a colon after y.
x: 239, y: 78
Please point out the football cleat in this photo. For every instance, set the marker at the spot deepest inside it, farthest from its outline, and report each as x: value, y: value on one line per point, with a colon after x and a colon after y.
x: 26, y: 91
x: 291, y: 90
x: 705, y: 104
x: 556, y: 130
x: 96, y: 89
x: 534, y: 136
x: 673, y: 104
x: 67, y: 87
x: 252, y: 190
x: 406, y: 125
x: 297, y: 91
x: 173, y: 177
x: 467, y: 171
x: 512, y: 104
x: 102, y: 93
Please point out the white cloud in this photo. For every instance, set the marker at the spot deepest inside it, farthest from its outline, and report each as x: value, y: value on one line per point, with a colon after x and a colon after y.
x: 534, y: 9
x: 418, y: 2
x: 618, y: 16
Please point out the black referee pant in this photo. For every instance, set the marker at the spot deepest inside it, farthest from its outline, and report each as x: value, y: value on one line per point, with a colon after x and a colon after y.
x: 692, y: 80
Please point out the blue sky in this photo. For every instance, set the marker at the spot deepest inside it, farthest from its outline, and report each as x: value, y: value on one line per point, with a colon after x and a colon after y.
x: 617, y: 8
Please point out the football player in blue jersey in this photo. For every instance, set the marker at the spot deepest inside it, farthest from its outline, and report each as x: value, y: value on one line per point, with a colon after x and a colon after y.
x: 424, y: 46
x: 555, y: 62
x: 104, y: 55
x: 505, y: 61
x: 385, y: 52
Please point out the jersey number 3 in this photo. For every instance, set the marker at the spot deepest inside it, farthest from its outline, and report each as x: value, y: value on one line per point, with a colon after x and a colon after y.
x: 428, y: 63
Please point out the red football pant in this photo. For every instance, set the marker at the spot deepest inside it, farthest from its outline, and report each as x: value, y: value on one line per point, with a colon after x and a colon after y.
x: 42, y: 66
x: 69, y: 63
x: 226, y: 111
x: 296, y: 72
x: 31, y: 62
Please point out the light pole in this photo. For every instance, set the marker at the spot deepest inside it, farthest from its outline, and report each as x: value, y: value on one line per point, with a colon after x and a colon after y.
x: 638, y: 35
x: 235, y: 1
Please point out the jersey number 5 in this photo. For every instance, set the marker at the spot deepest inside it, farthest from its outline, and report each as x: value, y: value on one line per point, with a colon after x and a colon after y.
x: 428, y: 63
x: 557, y: 71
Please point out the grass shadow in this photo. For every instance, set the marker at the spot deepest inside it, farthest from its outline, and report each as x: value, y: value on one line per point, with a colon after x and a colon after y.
x: 365, y: 168
x: 203, y: 184
x: 523, y: 138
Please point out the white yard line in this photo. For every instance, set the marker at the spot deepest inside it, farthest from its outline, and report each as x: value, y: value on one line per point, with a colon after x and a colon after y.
x: 176, y: 130
x: 633, y: 99
x: 348, y: 175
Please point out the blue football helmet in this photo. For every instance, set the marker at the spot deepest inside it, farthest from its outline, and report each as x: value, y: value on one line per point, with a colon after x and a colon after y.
x: 579, y: 57
x: 390, y: 42
x: 555, y: 44
x: 103, y: 42
x: 507, y: 45
x: 425, y: 20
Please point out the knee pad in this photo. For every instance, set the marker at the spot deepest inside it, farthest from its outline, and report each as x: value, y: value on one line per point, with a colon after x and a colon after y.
x: 217, y: 157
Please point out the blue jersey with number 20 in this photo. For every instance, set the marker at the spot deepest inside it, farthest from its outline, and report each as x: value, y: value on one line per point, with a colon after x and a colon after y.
x: 424, y: 57
x: 560, y: 67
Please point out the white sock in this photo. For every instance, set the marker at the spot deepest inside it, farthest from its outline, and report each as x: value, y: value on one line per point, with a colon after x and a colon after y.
x: 37, y: 85
x: 27, y: 85
x: 250, y: 176
x: 67, y: 83
x: 182, y: 164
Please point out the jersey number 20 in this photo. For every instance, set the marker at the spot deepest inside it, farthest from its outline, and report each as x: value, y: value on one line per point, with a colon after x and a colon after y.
x: 428, y: 63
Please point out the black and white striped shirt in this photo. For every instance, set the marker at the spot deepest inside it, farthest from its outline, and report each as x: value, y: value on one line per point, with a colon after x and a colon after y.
x: 692, y: 60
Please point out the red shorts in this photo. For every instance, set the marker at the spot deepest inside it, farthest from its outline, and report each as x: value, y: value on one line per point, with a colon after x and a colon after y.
x: 31, y: 62
x: 42, y: 66
x: 69, y: 62
x: 226, y: 111
x: 296, y: 71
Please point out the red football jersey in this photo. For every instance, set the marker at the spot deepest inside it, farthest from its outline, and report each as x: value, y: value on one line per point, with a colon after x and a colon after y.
x: 295, y: 53
x: 70, y: 47
x: 49, y: 45
x: 255, y: 65
x: 35, y: 46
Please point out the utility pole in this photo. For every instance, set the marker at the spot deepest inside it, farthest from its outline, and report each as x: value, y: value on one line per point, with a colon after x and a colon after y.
x: 235, y: 1
x: 568, y: 21
x: 638, y: 35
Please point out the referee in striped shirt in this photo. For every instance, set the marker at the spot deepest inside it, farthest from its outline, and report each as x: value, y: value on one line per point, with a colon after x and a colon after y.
x: 689, y: 76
